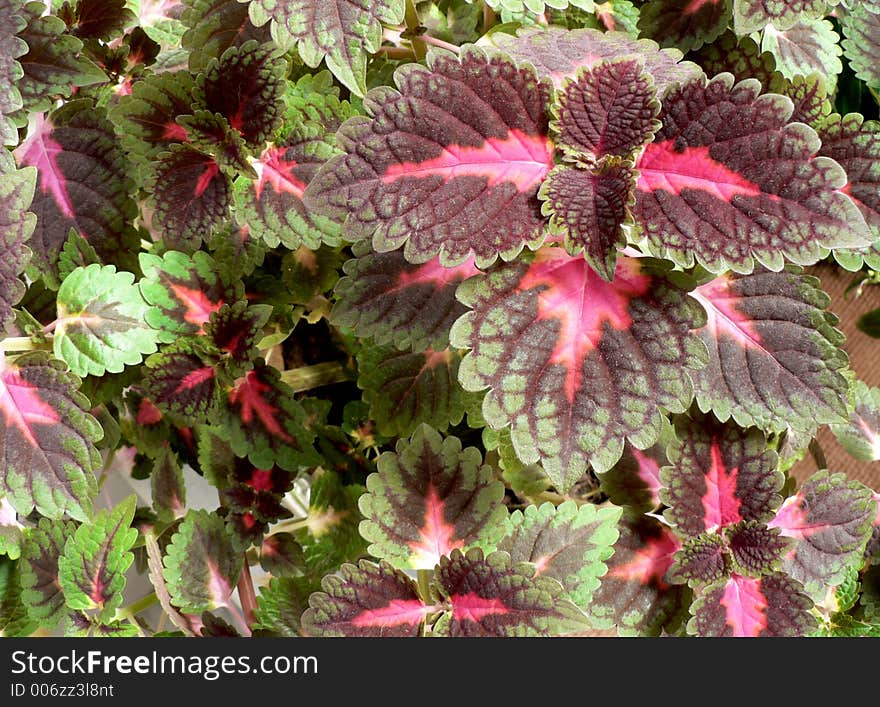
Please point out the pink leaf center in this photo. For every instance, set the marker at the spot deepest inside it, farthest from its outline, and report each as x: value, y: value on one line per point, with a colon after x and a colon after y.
x: 148, y: 413
x: 249, y: 394
x: 791, y: 519
x: 399, y: 612
x: 662, y: 168
x: 198, y: 307
x: 41, y: 151
x: 520, y: 159
x: 21, y: 405
x: 273, y: 169
x: 650, y: 562
x: 573, y: 294
x: 722, y: 316
x: 194, y: 379
x: 649, y: 472
x: 745, y: 605
x: 261, y: 480
x: 206, y: 177
x: 434, y: 273
x: 473, y: 607
x: 720, y: 504
x: 435, y: 536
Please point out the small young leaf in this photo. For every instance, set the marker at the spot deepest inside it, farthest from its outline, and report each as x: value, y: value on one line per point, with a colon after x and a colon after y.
x: 92, y: 567
x: 702, y: 559
x: 719, y: 475
x: 180, y: 383
x: 40, y: 585
x: 428, y: 498
x: 755, y: 549
x: 575, y: 381
x: 48, y: 456
x: 567, y: 543
x: 772, y: 605
x: 459, y: 171
x: 830, y: 519
x: 101, y: 321
x: 412, y: 306
x: 201, y: 565
x: 774, y: 355
x: 366, y: 600
x: 492, y: 595
x: 635, y: 480
x: 236, y: 329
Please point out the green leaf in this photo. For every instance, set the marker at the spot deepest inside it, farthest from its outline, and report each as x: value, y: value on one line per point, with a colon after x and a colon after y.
x: 201, y: 565
x: 341, y: 32
x: 12, y: 21
x: 860, y: 436
x: 281, y: 555
x: 428, y: 498
x: 92, y: 567
x: 101, y: 321
x: 16, y: 226
x: 168, y: 486
x: 567, y: 543
x: 810, y: 45
x: 281, y: 604
x: 14, y: 619
x: 11, y: 536
x: 41, y: 589
x: 861, y: 29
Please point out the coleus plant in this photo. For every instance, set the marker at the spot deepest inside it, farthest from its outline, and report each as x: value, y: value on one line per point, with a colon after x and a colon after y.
x: 477, y: 318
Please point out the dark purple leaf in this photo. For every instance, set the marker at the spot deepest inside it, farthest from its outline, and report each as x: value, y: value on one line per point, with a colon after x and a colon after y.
x: 16, y: 225
x: 686, y: 24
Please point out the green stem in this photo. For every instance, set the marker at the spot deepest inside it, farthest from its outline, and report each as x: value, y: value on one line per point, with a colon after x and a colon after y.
x: 423, y: 578
x: 288, y: 526
x: 23, y: 343
x: 108, y: 462
x: 818, y: 454
x: 398, y: 52
x: 128, y: 612
x: 308, y: 377
x: 413, y: 24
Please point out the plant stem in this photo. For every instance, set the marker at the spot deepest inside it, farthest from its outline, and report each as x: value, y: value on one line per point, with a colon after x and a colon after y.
x: 398, y: 52
x: 246, y: 594
x: 423, y: 578
x: 287, y: 526
x: 413, y: 24
x: 111, y: 455
x: 818, y: 454
x: 428, y: 39
x: 22, y: 343
x: 238, y: 618
x: 136, y: 607
x: 489, y: 17
x: 308, y: 377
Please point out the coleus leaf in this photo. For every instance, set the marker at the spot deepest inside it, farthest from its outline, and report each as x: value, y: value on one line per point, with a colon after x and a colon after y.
x: 253, y: 497
x: 83, y: 184
x: 459, y: 170
x: 812, y: 106
x: 752, y: 15
x: 265, y: 422
x: 281, y: 555
x: 589, y: 208
x: 366, y: 600
x: 703, y: 196
x: 567, y: 543
x: 861, y: 29
x: 860, y: 436
x: 740, y: 56
x: 635, y: 480
x: 212, y: 134
x: 281, y: 603
x: 245, y: 86
x: 235, y: 330
x: 47, y: 439
x: 331, y: 536
x: 101, y: 324
x: 407, y: 389
x: 430, y: 497
x: 772, y: 605
x: 341, y: 32
x: 719, y: 475
x: 54, y: 63
x: 830, y: 519
x: 14, y: 620
x: 539, y: 6
x: 411, y: 306
x: 686, y: 24
x: 191, y: 196
x: 12, y: 47
x: 11, y: 536
x: 16, y: 226
x: 101, y: 19
x: 492, y: 595
x: 180, y: 382
x: 184, y: 291
x: 41, y: 590
x: 92, y: 567
x: 147, y: 118
x: 808, y: 46
x: 160, y: 19
x: 774, y: 354
x: 636, y: 595
x: 559, y: 54
x: 609, y: 109
x: 76, y: 252
x: 168, y: 486
x: 855, y: 144
x: 202, y: 564
x: 213, y: 26
x: 542, y: 334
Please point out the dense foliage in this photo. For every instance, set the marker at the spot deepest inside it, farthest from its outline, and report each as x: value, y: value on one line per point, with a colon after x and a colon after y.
x: 463, y: 318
